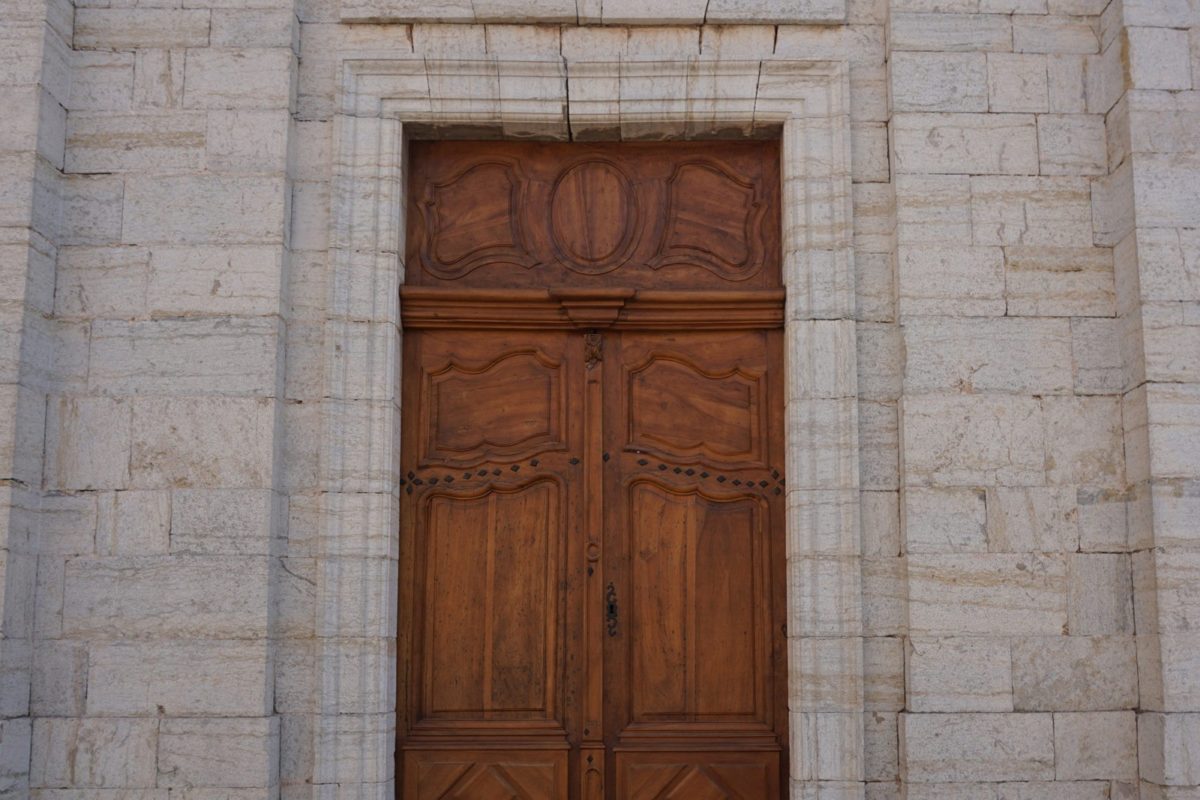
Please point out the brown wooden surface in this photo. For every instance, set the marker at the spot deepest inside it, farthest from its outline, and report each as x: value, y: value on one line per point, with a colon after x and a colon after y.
x: 592, y: 543
x: 677, y: 215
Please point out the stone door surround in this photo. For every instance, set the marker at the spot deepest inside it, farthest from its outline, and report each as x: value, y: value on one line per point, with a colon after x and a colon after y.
x: 384, y: 99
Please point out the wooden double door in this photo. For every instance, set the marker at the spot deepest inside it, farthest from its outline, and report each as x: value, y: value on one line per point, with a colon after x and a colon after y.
x: 592, y: 596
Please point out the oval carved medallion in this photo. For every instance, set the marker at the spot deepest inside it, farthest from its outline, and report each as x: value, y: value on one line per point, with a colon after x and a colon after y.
x: 593, y: 217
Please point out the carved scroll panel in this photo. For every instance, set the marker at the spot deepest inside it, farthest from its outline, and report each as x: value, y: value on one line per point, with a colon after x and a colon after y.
x: 531, y: 214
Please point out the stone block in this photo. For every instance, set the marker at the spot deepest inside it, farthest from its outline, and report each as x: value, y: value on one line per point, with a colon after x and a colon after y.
x: 222, y: 678
x: 880, y: 361
x: 884, y: 596
x: 950, y: 281
x: 230, y: 355
x: 242, y: 279
x: 101, y: 281
x: 14, y: 756
x: 184, y: 442
x: 939, y: 81
x: 832, y: 426
x: 1105, y: 78
x: 951, y: 32
x: 158, y: 78
x: 829, y: 675
x: 1074, y: 673
x: 1032, y: 519
x: 1065, y: 790
x: 253, y: 27
x: 826, y: 746
x: 878, y: 438
x: 91, y: 211
x: 1054, y: 212
x: 819, y: 522
x: 945, y: 521
x: 53, y: 523
x: 1166, y: 749
x: 1095, y: 745
x: 220, y: 77
x: 134, y: 143
x: 1159, y: 58
x: 1171, y: 342
x: 1174, y: 505
x: 1101, y: 594
x: 368, y: 614
x: 1055, y: 34
x: 1103, y: 525
x: 1168, y: 263
x: 1179, y: 656
x: 933, y: 209
x: 216, y: 521
x: 1084, y: 441
x: 1112, y: 206
x: 59, y: 679
x: 130, y: 28
x: 951, y: 791
x: 880, y: 747
x: 34, y: 275
x: 1169, y: 588
x: 973, y: 144
x: 72, y: 752
x: 874, y: 224
x: 1174, y: 428
x: 139, y: 524
x: 961, y: 673
x: 87, y: 443
x: 373, y: 10
x: 988, y: 595
x: 768, y: 11
x: 731, y: 41
x: 1072, y: 144
x: 356, y: 744
x: 833, y: 605
x: 226, y: 753
x: 880, y: 521
x: 101, y: 81
x: 997, y: 355
x: 198, y: 596
x: 427, y: 39
x: 203, y: 210
x: 23, y: 413
x: 1167, y: 191
x: 977, y: 747
x: 869, y: 149
x: 1067, y: 83
x: 368, y: 675
x: 883, y: 673
x: 1098, y: 368
x: 688, y: 12
x: 1161, y: 13
x: 1017, y: 82
x: 246, y: 141
x: 973, y: 440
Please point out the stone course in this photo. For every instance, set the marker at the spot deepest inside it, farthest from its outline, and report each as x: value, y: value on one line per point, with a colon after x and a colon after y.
x: 994, y: 396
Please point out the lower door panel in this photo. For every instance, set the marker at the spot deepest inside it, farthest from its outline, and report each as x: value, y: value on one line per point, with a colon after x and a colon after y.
x: 485, y: 774
x: 692, y: 775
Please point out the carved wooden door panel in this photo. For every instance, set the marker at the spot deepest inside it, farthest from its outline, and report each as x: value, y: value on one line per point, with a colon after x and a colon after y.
x: 694, y: 555
x: 489, y: 605
x: 592, y: 544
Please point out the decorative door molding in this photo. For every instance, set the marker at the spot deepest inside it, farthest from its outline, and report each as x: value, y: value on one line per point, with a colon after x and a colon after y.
x: 385, y: 98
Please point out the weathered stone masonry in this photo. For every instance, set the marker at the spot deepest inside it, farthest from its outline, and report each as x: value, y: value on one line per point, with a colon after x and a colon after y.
x: 996, y: 563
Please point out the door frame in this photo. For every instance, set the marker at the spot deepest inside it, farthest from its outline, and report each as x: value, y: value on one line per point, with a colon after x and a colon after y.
x: 385, y: 99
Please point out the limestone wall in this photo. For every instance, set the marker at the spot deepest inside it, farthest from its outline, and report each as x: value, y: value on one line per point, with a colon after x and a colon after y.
x: 1026, y: 212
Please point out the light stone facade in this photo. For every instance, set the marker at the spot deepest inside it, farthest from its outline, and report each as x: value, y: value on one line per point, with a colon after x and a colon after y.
x: 992, y: 229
